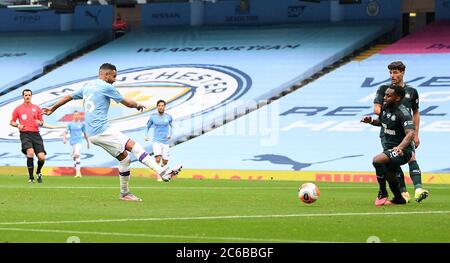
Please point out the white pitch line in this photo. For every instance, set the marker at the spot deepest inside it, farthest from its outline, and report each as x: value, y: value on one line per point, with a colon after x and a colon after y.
x: 196, y: 187
x: 183, y: 188
x: 219, y: 217
x: 243, y: 239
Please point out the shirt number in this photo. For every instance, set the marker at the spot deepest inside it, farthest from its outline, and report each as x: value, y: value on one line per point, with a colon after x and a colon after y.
x: 89, y: 104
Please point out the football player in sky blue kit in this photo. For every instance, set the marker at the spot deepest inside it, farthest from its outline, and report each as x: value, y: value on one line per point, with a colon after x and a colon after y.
x: 97, y: 96
x: 162, y: 122
x: 76, y: 129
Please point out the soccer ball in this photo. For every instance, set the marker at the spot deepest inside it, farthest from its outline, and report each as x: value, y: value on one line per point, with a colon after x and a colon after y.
x: 308, y: 193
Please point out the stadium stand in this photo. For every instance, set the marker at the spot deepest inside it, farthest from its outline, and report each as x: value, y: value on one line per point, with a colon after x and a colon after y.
x: 434, y: 38
x: 24, y: 56
x: 207, y: 75
x: 317, y: 128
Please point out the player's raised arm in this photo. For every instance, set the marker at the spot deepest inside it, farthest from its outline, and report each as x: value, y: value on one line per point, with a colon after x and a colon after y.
x: 132, y: 104
x: 368, y: 119
x: 59, y: 103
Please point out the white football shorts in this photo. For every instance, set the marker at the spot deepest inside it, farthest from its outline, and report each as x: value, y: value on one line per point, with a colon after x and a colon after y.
x: 161, y: 149
x: 76, y: 149
x: 111, y: 140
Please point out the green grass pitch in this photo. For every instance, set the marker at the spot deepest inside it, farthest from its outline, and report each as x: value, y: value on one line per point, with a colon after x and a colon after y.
x: 211, y: 211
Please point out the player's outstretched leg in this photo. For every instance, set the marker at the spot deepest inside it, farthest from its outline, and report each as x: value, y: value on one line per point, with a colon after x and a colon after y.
x: 170, y: 172
x: 147, y: 160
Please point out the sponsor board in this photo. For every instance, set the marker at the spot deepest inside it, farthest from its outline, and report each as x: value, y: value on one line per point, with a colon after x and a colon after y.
x: 245, y: 175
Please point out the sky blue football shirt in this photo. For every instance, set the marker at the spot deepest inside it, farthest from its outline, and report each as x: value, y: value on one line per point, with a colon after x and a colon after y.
x: 97, y: 96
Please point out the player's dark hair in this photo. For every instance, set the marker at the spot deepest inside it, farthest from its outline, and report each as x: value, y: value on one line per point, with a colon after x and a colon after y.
x: 25, y: 90
x: 161, y: 101
x: 398, y: 90
x: 108, y: 66
x: 398, y: 65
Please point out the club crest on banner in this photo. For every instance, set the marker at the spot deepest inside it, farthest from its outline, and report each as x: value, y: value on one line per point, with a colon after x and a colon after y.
x: 189, y: 90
